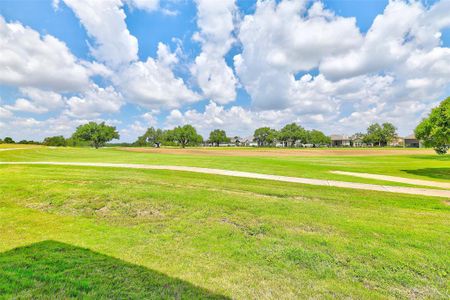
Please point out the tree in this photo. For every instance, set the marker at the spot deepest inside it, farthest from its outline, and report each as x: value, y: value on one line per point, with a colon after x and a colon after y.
x: 388, y: 133
x: 380, y: 134
x: 185, y: 135
x: 152, y: 136
x: 265, y: 136
x: 317, y: 137
x: 8, y: 140
x: 96, y: 134
x: 75, y: 142
x: 272, y: 137
x: 373, y: 135
x: 56, y: 141
x: 292, y: 133
x: 434, y: 130
x: 218, y: 136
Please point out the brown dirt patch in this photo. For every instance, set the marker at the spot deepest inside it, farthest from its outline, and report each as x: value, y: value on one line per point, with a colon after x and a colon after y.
x: 278, y: 152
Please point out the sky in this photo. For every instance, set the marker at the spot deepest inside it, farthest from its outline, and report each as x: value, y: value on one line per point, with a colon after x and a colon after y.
x: 336, y: 65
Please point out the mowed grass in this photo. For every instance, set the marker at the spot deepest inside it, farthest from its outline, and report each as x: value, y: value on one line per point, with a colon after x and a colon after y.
x: 5, y: 146
x: 166, y: 234
x: 428, y: 167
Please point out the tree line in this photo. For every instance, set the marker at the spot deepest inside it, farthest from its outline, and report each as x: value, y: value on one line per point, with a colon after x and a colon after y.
x: 90, y: 134
x: 265, y: 136
x: 179, y: 136
x: 434, y: 131
x: 290, y: 135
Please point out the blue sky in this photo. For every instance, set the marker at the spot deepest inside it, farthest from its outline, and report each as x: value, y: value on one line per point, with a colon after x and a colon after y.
x: 232, y: 65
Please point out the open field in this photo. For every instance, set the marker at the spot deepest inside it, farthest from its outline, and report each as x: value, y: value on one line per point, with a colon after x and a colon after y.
x: 74, y: 231
x: 405, y: 164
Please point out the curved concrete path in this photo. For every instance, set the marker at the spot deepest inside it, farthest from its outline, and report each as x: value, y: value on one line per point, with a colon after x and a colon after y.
x: 321, y: 182
x: 396, y: 179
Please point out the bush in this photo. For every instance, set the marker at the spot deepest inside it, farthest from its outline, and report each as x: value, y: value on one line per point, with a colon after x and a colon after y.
x: 55, y: 141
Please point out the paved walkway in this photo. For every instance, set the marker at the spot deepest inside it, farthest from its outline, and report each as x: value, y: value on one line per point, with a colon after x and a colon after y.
x: 396, y: 179
x: 342, y: 184
x: 8, y: 149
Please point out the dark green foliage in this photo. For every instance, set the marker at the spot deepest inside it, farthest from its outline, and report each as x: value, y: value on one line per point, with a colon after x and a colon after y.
x: 152, y: 137
x: 8, y: 140
x: 179, y: 136
x: 65, y: 271
x: 27, y: 142
x: 56, y: 141
x: 183, y: 136
x: 292, y: 133
x: 218, y: 136
x: 74, y: 142
x: 434, y: 131
x: 380, y: 135
x: 265, y: 136
x: 317, y: 138
x: 96, y: 134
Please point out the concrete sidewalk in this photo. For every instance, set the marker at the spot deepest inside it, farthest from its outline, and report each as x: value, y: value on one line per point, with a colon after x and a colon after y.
x: 396, y: 179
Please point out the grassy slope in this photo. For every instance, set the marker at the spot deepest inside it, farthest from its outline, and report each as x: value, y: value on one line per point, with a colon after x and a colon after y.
x: 231, y: 236
x: 429, y: 167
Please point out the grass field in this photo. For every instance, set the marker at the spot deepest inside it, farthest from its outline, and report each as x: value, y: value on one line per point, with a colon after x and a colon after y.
x: 102, y: 232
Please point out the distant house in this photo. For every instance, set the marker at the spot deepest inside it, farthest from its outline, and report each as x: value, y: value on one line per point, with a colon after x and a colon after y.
x: 339, y: 140
x: 248, y: 142
x: 397, y: 142
x: 356, y: 140
x: 236, y: 141
x: 412, y: 142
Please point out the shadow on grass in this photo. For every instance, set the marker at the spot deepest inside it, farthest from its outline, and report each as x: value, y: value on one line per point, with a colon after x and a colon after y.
x: 52, y: 269
x: 436, y: 157
x: 441, y: 173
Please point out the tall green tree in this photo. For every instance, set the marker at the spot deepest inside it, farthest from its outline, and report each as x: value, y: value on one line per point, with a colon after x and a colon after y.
x: 8, y: 140
x: 317, y: 137
x: 218, y: 136
x: 151, y: 137
x: 434, y: 130
x: 265, y: 136
x: 389, y: 132
x: 373, y: 135
x: 291, y: 133
x: 185, y: 136
x: 380, y: 135
x: 97, y: 134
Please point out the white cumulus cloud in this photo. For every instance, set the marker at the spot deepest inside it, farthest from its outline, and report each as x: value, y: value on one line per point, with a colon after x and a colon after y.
x: 280, y: 40
x: 104, y: 20
x: 153, y: 84
x: 28, y: 59
x: 213, y: 75
x: 94, y: 102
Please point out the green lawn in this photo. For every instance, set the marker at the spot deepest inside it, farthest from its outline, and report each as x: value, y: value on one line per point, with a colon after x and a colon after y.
x: 106, y: 232
x: 428, y: 167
